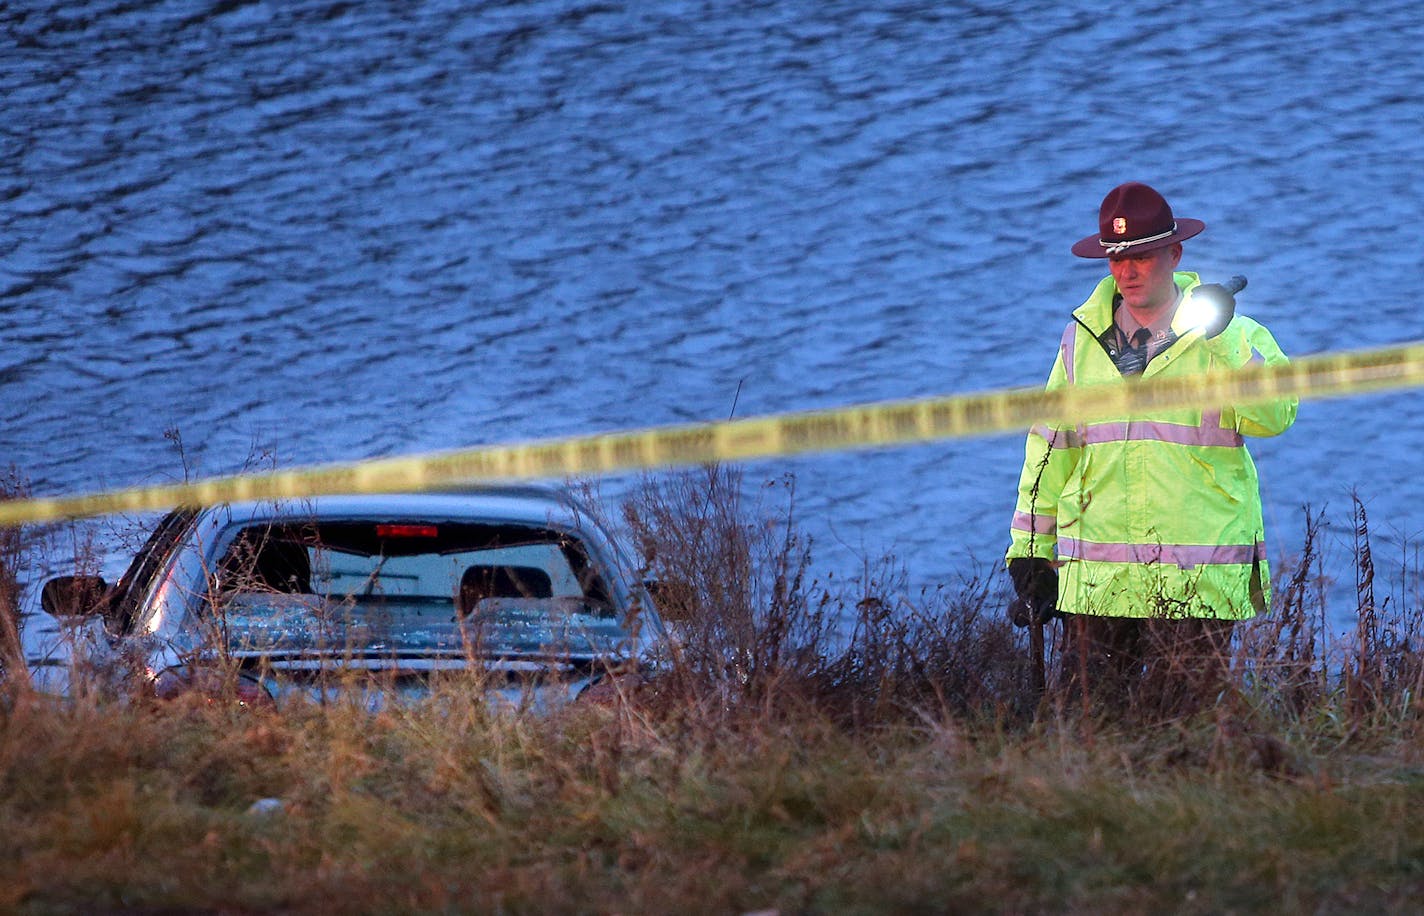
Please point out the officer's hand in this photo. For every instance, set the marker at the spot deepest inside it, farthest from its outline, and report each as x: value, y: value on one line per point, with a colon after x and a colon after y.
x: 1220, y: 302
x: 1036, y: 585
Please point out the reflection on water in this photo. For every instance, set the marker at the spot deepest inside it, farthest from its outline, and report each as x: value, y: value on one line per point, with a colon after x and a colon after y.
x: 313, y: 230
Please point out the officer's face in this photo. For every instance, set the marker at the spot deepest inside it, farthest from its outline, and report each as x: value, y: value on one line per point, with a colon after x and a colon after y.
x: 1145, y: 280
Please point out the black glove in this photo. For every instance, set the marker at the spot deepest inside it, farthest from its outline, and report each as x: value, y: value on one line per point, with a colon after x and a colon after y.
x: 1036, y: 584
x: 1223, y: 307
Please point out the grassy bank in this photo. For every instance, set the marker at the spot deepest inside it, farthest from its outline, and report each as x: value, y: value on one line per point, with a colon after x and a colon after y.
x: 774, y: 765
x: 602, y: 811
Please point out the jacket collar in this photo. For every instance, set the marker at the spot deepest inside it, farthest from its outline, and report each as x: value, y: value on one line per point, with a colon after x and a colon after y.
x: 1096, y: 314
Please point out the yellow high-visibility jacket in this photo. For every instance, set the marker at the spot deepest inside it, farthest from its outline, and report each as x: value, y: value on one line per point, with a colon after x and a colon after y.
x: 1158, y: 513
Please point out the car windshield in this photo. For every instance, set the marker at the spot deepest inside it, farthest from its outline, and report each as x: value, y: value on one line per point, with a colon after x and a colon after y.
x: 410, y: 590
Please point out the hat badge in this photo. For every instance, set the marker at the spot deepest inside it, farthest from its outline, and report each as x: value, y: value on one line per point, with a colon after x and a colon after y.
x: 1120, y: 225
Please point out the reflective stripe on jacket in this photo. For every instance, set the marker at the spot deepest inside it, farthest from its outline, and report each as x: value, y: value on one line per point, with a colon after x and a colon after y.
x: 1157, y: 513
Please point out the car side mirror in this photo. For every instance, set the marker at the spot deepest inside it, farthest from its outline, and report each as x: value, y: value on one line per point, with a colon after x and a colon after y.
x: 74, y: 596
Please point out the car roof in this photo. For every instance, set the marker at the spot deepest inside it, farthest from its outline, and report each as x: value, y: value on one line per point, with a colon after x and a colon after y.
x: 526, y: 504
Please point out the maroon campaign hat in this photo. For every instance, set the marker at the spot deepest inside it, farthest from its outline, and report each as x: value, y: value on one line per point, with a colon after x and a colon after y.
x: 1135, y: 218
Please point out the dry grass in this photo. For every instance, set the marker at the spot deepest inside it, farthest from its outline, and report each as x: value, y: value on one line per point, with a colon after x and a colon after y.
x: 901, y: 764
x: 14, y: 556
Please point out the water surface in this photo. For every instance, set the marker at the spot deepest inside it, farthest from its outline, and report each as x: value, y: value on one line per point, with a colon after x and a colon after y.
x: 310, y: 231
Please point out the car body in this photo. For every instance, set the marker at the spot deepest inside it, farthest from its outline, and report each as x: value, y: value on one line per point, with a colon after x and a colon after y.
x: 378, y: 594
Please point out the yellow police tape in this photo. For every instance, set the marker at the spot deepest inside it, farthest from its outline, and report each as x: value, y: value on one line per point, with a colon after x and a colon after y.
x: 868, y: 425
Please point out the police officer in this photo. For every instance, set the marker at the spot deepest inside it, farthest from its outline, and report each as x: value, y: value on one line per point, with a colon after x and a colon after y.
x: 1144, y: 531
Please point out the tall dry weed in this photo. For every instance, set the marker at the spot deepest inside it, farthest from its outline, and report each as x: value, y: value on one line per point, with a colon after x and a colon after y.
x: 13, y: 558
x: 731, y: 583
x: 754, y: 630
x: 1299, y: 673
x: 1383, y: 671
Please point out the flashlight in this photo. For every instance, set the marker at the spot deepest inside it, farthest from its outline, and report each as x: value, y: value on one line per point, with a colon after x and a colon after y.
x: 1211, y: 306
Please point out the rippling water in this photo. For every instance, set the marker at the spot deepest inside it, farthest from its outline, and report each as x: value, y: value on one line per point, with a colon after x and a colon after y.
x: 324, y: 231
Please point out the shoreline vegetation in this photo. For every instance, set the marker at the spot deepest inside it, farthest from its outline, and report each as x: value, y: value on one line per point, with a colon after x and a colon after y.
x: 780, y: 761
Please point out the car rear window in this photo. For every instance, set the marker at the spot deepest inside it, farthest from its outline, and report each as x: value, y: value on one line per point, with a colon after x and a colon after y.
x: 410, y: 589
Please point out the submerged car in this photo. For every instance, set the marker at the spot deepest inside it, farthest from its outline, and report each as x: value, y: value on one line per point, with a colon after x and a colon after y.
x: 376, y: 594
